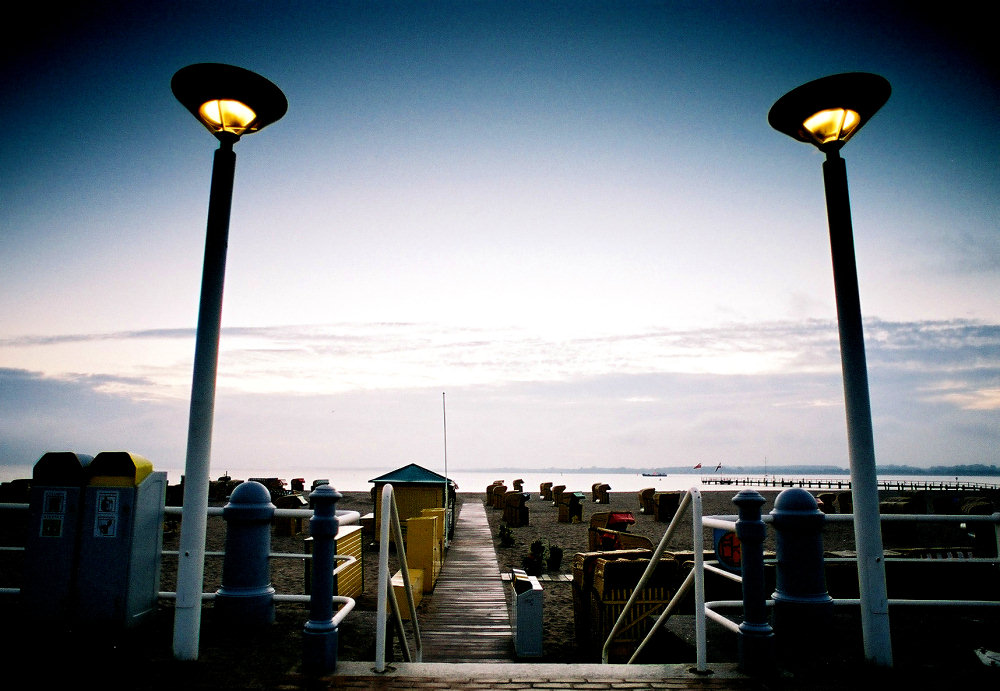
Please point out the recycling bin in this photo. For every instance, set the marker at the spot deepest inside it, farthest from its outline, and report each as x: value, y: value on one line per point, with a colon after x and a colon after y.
x: 527, y: 614
x: 121, y: 536
x: 48, y: 590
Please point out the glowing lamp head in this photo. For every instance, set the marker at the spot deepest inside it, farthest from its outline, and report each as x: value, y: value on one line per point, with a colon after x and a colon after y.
x: 229, y: 101
x: 227, y: 115
x: 831, y: 125
x: 828, y: 111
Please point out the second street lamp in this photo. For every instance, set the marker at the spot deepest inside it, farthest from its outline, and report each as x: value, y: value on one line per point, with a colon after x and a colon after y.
x: 827, y: 112
x: 230, y: 102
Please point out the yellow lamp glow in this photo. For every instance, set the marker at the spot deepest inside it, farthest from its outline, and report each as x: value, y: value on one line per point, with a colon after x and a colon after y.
x: 226, y: 115
x: 831, y: 125
x: 828, y: 111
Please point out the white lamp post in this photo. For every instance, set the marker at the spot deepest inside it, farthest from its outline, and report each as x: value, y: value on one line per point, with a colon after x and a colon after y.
x: 826, y: 113
x: 230, y: 102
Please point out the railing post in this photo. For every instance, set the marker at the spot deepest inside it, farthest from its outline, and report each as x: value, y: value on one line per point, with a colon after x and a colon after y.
x: 319, y: 637
x: 756, y: 638
x: 996, y: 532
x: 246, y: 597
x: 803, y: 609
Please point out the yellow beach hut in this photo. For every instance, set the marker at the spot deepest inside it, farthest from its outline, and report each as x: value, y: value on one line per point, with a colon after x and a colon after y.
x: 415, y: 489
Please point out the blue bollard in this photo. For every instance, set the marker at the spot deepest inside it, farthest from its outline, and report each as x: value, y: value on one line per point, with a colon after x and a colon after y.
x: 319, y: 653
x: 246, y: 597
x: 756, y: 637
x: 803, y: 609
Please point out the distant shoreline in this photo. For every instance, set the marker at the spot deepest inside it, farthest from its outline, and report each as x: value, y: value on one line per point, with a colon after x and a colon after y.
x: 975, y: 470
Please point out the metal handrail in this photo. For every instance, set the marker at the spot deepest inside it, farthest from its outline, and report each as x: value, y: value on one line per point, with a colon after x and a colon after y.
x: 692, y: 495
x: 695, y: 578
x: 347, y: 560
x: 390, y: 517
x: 344, y: 517
x: 729, y: 523
x: 703, y: 609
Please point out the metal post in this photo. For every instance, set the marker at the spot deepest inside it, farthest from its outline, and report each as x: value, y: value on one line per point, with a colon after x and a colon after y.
x: 448, y: 518
x: 756, y: 638
x: 320, y: 633
x: 864, y: 480
x: 246, y: 598
x: 191, y: 559
x: 803, y: 609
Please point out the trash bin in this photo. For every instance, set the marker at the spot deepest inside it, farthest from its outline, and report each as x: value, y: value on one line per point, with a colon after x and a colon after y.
x: 527, y: 614
x: 52, y: 543
x: 121, y: 536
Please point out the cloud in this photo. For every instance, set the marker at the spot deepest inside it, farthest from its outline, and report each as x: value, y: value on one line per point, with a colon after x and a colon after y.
x: 363, y: 395
x: 77, y: 413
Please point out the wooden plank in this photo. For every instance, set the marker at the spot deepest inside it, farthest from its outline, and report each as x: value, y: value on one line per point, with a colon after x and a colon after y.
x: 466, y: 617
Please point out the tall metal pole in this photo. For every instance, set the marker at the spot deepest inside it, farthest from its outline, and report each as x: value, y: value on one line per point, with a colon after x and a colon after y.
x: 194, y: 523
x: 864, y: 480
x: 447, y: 513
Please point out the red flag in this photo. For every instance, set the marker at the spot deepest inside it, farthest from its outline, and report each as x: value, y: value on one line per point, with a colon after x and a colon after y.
x: 697, y: 466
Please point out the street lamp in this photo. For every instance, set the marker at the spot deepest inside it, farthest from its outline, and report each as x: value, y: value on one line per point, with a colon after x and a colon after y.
x: 826, y: 113
x: 230, y: 102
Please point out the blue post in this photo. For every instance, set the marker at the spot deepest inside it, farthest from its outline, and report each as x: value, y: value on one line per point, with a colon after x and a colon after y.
x: 319, y: 653
x: 803, y: 609
x: 756, y: 637
x: 246, y: 597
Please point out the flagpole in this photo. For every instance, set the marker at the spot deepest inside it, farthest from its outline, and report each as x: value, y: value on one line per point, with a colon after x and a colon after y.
x: 444, y: 422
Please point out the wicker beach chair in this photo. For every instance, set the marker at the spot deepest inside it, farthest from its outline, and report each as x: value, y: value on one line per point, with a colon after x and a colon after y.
x: 601, y: 493
x: 515, y: 513
x: 665, y: 505
x: 603, y: 583
x: 646, y: 501
x: 557, y: 492
x: 497, y: 493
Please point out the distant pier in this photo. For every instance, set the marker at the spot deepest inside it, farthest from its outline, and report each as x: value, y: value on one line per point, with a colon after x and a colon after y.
x: 845, y: 484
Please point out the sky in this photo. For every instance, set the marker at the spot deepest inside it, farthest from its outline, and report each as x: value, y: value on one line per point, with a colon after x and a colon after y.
x: 515, y: 234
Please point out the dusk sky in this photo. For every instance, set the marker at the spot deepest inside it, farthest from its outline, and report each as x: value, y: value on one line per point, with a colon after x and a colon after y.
x: 571, y: 217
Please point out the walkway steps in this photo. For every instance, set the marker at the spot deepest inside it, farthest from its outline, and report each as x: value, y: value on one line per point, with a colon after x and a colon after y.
x: 466, y: 618
x: 409, y: 676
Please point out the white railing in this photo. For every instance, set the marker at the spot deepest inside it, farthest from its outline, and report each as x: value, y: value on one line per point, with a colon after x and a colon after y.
x: 390, y: 520
x: 707, y: 610
x: 692, y: 495
x: 344, y: 518
x: 695, y: 578
x: 729, y: 523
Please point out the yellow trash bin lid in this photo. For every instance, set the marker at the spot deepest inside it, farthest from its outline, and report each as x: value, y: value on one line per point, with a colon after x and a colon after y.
x: 118, y: 469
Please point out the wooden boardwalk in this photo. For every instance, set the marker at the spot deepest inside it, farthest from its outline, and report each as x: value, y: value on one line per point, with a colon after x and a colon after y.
x: 466, y: 619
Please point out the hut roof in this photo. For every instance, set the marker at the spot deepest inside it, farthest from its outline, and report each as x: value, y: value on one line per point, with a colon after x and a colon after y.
x: 411, y: 474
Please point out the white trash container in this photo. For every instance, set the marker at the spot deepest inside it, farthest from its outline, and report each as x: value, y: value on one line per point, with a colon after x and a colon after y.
x: 527, y: 617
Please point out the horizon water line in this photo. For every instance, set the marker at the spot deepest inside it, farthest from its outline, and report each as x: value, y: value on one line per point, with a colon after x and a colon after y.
x: 476, y: 481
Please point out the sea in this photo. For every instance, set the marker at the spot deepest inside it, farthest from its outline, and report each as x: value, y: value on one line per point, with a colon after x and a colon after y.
x: 359, y: 479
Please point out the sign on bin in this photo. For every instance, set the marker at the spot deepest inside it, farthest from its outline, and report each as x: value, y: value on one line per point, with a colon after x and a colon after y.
x: 728, y: 551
